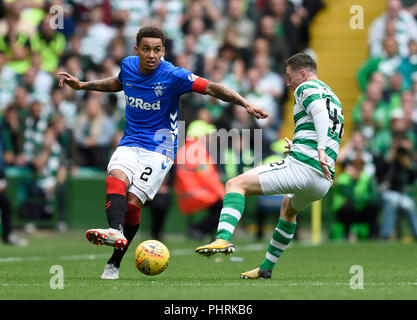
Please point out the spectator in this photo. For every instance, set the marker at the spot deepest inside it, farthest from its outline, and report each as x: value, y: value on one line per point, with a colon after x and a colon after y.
x: 280, y: 49
x: 217, y: 107
x: 93, y: 134
x: 48, y: 167
x: 355, y: 149
x: 396, y: 174
x: 382, y: 111
x: 170, y: 13
x: 8, y: 82
x: 73, y: 51
x: 202, y: 9
x: 44, y: 160
x: 379, y: 78
x: 240, y: 120
x: 38, y: 84
x: 227, y: 74
x: 14, y: 39
x: 61, y: 106
x: 305, y: 11
x: 236, y: 65
x: 355, y: 198
x: 49, y: 43
x: 98, y: 37
x: 394, y: 91
x: 12, y: 137
x: 206, y: 43
x: 131, y: 14
x: 366, y: 124
x: 264, y: 100
x: 407, y: 104
x: 65, y: 137
x: 284, y: 26
x: 195, y: 60
x: 244, y: 27
x: 403, y: 22
x: 21, y: 102
x: 239, y: 156
x: 384, y: 139
x: 270, y: 82
x: 35, y: 126
x: 410, y: 65
x: 388, y: 63
x: 5, y: 206
x: 261, y: 46
x: 117, y: 50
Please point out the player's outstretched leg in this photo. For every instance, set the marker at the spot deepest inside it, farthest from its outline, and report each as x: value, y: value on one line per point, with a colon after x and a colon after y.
x: 130, y: 228
x: 281, y: 238
x: 116, y: 206
x: 233, y: 207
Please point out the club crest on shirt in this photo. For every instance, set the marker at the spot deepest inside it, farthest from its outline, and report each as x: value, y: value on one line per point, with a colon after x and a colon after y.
x: 158, y: 89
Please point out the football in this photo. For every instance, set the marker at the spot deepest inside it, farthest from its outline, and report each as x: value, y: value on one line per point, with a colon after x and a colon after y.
x: 151, y: 257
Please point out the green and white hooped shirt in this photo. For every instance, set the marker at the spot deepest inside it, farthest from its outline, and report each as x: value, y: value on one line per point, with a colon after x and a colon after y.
x: 311, y: 97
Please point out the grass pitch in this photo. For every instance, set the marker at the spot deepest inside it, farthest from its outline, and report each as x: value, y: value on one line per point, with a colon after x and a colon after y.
x: 303, y: 272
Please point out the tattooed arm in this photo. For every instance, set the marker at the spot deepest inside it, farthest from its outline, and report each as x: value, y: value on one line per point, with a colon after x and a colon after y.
x: 226, y: 94
x: 112, y: 84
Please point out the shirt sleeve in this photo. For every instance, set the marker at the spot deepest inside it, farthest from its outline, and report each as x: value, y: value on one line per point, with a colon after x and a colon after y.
x: 185, y: 81
x: 315, y: 105
x: 321, y: 123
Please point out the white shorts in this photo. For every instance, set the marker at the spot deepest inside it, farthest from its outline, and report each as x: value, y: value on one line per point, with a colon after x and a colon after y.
x: 145, y: 169
x: 303, y: 184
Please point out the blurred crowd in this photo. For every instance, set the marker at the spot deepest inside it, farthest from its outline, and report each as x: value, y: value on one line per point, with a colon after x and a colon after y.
x: 379, y: 160
x: 51, y: 131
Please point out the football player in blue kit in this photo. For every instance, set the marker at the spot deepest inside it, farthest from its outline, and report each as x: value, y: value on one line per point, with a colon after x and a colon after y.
x: 146, y: 152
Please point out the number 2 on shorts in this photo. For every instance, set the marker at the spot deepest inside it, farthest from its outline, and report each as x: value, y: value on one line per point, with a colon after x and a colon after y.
x: 147, y: 172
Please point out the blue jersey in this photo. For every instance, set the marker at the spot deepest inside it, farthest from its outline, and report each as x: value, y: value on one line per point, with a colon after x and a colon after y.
x: 152, y: 102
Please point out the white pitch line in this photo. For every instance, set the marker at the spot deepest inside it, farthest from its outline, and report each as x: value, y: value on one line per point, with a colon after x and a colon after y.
x: 174, y: 252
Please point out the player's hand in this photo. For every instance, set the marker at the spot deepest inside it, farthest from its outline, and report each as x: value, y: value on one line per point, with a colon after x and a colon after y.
x: 288, y: 146
x: 257, y: 112
x: 70, y: 80
x: 324, y: 164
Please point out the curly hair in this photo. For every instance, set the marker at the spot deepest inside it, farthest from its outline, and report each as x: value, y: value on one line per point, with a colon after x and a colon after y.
x: 150, y: 32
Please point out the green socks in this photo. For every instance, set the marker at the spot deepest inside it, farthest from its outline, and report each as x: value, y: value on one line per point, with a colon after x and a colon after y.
x: 281, y: 237
x: 233, y: 206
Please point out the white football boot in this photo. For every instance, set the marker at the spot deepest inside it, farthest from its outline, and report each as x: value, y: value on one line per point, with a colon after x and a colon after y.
x: 108, y: 237
x: 111, y: 272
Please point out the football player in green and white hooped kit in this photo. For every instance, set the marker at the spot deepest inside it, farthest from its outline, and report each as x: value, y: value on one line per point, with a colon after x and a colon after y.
x: 304, y: 176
